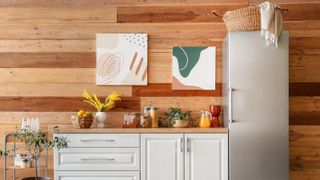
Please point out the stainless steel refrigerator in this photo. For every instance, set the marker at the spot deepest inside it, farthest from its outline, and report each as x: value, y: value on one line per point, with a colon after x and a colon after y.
x: 255, y: 87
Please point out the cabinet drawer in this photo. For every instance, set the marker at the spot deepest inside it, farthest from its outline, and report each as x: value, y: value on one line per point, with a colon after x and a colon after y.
x: 97, y: 159
x: 96, y: 175
x: 102, y: 140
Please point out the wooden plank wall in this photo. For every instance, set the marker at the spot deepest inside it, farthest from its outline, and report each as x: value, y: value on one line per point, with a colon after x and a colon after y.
x: 47, y: 58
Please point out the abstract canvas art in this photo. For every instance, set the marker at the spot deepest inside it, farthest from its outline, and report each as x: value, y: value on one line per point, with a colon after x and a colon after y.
x: 193, y: 68
x: 122, y: 59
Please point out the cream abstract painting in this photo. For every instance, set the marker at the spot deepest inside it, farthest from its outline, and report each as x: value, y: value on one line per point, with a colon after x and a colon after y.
x: 193, y: 68
x: 122, y: 59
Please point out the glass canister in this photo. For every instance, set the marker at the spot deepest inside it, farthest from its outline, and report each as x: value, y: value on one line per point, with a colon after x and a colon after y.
x: 154, y: 116
x: 136, y: 119
x: 145, y: 121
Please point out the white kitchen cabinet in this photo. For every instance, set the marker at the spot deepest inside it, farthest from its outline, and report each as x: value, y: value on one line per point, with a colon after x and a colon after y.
x: 98, y: 157
x: 177, y: 156
x: 96, y: 175
x: 102, y: 140
x: 184, y: 157
x: 206, y: 157
x: 124, y: 159
x: 162, y: 157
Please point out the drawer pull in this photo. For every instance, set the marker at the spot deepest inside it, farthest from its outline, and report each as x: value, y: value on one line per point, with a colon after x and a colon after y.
x: 97, y: 159
x: 97, y: 140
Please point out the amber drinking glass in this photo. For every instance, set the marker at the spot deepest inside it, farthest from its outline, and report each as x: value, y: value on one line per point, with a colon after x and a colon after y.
x: 215, y: 112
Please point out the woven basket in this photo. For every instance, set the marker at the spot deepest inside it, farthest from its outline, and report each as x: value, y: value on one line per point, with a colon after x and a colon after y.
x: 82, y: 122
x: 85, y: 123
x: 245, y: 19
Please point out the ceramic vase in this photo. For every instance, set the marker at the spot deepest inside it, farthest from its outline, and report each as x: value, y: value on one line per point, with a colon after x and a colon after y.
x: 101, y: 118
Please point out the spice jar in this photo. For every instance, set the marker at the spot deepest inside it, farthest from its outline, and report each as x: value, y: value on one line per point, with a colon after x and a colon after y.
x: 154, y: 116
x: 136, y: 119
x: 145, y: 121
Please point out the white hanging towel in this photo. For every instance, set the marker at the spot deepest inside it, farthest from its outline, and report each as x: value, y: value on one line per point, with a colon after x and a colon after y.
x: 271, y: 22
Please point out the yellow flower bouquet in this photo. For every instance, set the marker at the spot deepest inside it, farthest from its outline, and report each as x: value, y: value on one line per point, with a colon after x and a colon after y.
x: 102, y: 107
x: 94, y: 101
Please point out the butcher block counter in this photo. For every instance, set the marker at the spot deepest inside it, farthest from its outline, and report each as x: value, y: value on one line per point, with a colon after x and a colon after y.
x: 141, y: 130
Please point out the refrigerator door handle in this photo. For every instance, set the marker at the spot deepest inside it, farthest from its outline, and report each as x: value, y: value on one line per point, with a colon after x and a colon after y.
x: 230, y: 105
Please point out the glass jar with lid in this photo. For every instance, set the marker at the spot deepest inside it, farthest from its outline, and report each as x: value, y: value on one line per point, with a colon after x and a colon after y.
x: 154, y: 116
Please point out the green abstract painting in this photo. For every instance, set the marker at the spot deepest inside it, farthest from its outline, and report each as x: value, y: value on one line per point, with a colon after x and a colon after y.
x: 193, y: 68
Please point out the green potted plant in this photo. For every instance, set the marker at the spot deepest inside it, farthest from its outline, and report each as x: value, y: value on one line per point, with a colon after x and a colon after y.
x: 101, y: 107
x: 175, y: 117
x: 35, y: 141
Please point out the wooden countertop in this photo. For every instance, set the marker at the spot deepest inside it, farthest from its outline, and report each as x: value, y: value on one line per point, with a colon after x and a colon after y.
x: 140, y: 130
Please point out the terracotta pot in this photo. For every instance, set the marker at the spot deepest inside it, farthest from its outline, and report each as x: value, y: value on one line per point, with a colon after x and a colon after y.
x: 36, y: 178
x: 181, y: 124
x: 101, y: 118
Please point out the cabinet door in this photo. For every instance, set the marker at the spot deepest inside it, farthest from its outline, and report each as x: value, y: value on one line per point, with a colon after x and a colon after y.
x: 97, y: 175
x: 162, y: 157
x: 206, y: 157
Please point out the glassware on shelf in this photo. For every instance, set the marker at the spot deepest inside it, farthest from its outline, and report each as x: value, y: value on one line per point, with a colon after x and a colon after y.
x: 131, y: 120
x: 145, y: 121
x: 215, y: 112
x: 205, y: 120
x: 154, y: 116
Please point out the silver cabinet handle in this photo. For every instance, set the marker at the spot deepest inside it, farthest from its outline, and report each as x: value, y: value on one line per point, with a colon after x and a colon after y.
x: 97, y: 140
x: 97, y: 159
x: 181, y: 145
x: 230, y: 90
x: 188, y: 145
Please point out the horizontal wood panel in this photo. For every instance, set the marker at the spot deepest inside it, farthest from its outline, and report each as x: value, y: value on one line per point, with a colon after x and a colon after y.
x: 58, y: 14
x: 302, y: 43
x: 305, y: 104
x: 113, y: 2
x: 305, y: 118
x: 297, y: 2
x: 86, y: 31
x: 43, y: 46
x: 59, y: 89
x: 304, y: 175
x: 165, y: 89
x: 48, y: 60
x: 44, y: 75
x: 304, y: 148
x: 304, y: 74
x: 303, y: 28
x: 61, y: 104
x: 150, y: 14
x: 304, y: 89
x: 305, y: 60
x: 303, y: 11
